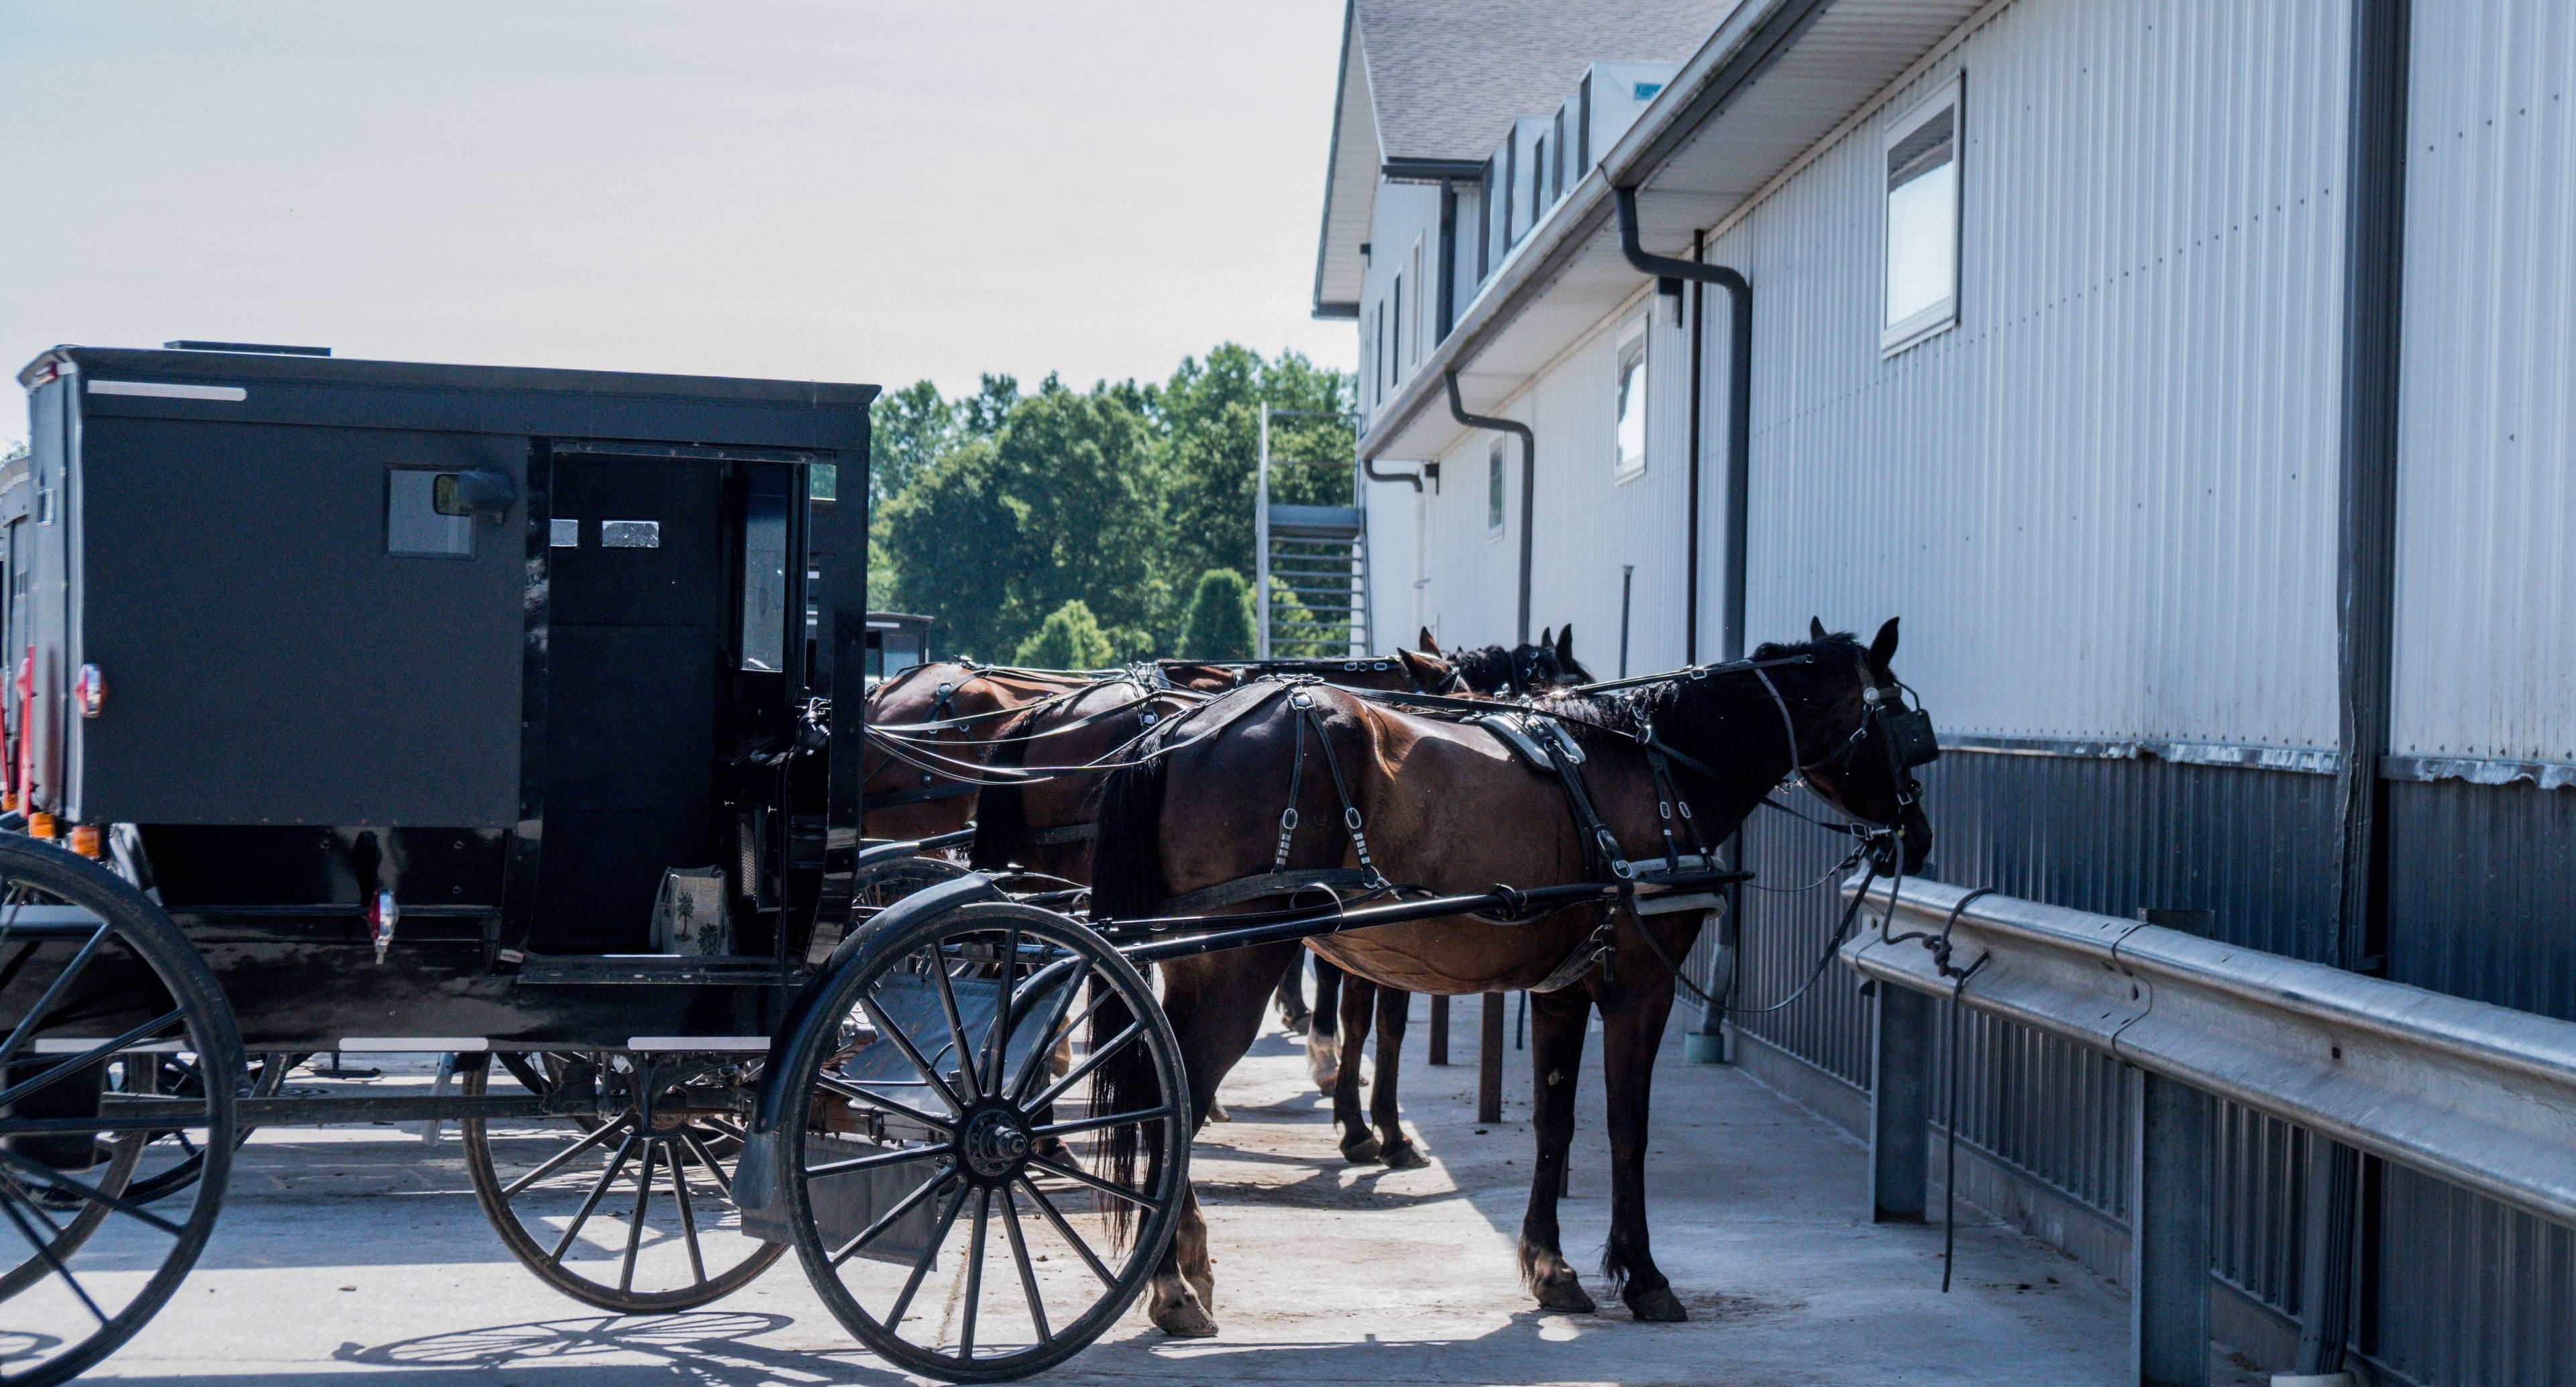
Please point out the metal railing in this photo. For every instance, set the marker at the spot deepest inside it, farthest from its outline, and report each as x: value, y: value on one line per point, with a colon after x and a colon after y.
x: 2479, y: 1095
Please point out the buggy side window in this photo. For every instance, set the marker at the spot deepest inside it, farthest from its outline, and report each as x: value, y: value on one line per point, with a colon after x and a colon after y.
x: 764, y: 569
x: 423, y: 515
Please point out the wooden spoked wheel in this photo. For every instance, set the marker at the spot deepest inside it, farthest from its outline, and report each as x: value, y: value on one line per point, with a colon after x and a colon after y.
x: 957, y: 1199
x: 97, y: 986
x: 625, y: 1203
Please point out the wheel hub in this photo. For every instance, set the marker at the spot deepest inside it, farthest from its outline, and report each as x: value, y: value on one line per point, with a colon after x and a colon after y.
x: 995, y: 1143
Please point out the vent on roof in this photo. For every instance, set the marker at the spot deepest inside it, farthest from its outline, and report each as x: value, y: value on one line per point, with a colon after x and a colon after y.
x: 256, y: 348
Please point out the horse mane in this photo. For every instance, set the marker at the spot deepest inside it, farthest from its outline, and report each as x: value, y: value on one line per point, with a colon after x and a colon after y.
x: 1682, y: 703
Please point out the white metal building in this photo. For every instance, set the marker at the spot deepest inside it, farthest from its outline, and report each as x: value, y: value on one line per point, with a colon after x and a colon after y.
x: 2193, y: 378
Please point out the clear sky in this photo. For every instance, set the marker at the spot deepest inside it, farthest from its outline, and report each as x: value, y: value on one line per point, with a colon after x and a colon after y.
x: 870, y: 190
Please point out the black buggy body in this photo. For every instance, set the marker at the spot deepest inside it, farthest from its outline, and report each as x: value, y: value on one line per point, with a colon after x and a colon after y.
x: 463, y: 662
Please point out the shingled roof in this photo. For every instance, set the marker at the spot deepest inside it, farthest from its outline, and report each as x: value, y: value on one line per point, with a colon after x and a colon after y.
x: 1442, y: 80
x: 1449, y: 76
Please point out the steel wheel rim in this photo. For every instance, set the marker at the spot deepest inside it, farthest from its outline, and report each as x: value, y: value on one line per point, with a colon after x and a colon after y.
x: 662, y: 1198
x: 1023, y: 1268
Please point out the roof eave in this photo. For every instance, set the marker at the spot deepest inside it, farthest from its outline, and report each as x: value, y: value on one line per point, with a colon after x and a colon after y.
x: 1324, y: 308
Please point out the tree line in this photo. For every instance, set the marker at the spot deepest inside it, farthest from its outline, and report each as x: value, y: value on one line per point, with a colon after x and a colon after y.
x: 1079, y: 528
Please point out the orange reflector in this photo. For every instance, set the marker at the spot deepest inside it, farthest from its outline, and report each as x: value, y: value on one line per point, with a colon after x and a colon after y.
x: 86, y: 840
x: 40, y: 825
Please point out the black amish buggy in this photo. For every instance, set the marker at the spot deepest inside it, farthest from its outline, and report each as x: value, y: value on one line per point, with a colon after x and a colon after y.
x: 490, y: 713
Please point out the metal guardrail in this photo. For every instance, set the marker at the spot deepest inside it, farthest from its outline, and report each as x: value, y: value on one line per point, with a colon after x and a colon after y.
x: 2480, y: 1095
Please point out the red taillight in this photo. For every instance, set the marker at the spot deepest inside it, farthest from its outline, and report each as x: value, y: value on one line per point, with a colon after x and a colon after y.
x: 89, y: 691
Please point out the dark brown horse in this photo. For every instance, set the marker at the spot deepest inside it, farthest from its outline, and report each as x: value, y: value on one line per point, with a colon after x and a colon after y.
x: 1449, y: 808
x: 941, y: 718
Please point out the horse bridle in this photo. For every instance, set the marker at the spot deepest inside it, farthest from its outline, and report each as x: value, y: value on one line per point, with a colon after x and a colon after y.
x: 1905, y: 734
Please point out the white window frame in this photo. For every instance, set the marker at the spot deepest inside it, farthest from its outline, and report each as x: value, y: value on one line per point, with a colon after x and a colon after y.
x: 1635, y: 336
x: 1497, y: 491
x: 1939, y: 317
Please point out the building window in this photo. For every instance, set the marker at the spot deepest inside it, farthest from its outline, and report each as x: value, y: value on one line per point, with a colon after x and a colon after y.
x: 1631, y: 455
x: 1922, y: 278
x: 1494, y: 488
x: 1388, y: 374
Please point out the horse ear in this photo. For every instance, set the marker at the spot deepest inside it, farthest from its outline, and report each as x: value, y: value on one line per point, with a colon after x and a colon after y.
x: 1815, y: 629
x: 1428, y: 644
x: 1882, y: 649
x: 1547, y: 635
x: 1428, y: 671
x: 1565, y: 644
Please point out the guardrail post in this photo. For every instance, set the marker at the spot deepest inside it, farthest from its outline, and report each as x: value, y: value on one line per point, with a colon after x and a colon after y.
x: 1900, y: 1107
x: 1439, y: 1029
x: 1489, y: 1062
x: 2169, y: 1157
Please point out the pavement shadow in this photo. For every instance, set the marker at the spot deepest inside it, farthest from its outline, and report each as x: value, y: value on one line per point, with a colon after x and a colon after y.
x: 704, y: 1346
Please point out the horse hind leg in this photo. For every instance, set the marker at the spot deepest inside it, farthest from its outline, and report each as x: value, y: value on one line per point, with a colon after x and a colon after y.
x: 1395, y: 1148
x: 1359, y: 1145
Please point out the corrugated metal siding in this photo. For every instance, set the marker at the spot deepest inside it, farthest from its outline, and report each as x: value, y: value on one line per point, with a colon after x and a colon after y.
x: 2105, y: 501
x: 2482, y: 892
x: 2486, y: 627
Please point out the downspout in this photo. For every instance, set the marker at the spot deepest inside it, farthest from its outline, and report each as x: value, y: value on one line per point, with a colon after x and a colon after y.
x: 1739, y: 423
x: 1708, y: 1046
x: 1529, y: 482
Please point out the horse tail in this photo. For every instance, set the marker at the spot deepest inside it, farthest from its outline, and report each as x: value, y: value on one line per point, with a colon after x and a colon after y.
x: 1126, y: 857
x: 1127, y: 883
x: 1002, y: 811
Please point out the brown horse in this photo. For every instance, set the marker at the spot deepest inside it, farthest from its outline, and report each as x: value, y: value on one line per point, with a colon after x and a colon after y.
x: 917, y: 785
x: 1449, y: 808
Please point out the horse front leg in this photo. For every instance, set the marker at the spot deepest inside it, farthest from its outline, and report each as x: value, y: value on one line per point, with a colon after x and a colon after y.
x: 1395, y: 1148
x: 1290, y: 997
x: 1632, y: 1025
x: 1557, y: 1020
x: 1358, y: 997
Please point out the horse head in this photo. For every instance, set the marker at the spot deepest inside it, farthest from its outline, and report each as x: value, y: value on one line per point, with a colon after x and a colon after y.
x: 1860, y: 740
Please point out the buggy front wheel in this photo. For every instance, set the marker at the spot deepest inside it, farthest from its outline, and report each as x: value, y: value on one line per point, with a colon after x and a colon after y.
x: 985, y: 1141
x: 98, y: 989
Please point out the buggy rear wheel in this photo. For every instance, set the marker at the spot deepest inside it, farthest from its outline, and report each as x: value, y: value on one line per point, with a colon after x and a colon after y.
x: 97, y: 987
x: 627, y: 1204
x: 959, y: 1201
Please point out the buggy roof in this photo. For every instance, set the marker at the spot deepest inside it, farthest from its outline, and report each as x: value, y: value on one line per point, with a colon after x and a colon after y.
x: 278, y: 388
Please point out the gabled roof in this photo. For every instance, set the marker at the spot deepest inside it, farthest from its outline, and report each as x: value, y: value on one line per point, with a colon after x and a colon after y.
x: 1432, y: 82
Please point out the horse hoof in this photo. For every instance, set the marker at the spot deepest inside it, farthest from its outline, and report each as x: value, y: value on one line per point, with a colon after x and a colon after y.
x: 1217, y: 1113
x: 1563, y: 1291
x: 1362, y: 1150
x: 1321, y: 1066
x: 1183, y: 1315
x: 1299, y: 1023
x: 1205, y: 1288
x: 1404, y: 1155
x: 1659, y: 1306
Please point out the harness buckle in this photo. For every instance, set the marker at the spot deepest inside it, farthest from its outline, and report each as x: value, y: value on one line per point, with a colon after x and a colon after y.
x: 1351, y: 819
x: 1288, y: 819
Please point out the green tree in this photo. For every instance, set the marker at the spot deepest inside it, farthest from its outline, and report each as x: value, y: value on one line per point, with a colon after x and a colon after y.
x: 1070, y: 638
x: 953, y: 544
x: 982, y: 414
x: 908, y: 431
x: 1218, y: 624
